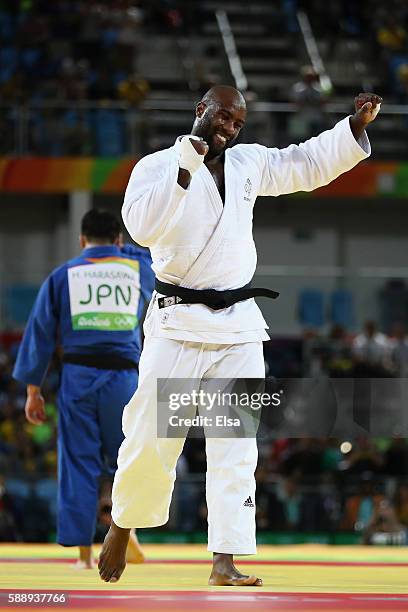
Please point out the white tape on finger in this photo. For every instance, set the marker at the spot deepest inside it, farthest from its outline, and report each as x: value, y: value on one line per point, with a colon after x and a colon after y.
x: 189, y: 158
x: 376, y: 110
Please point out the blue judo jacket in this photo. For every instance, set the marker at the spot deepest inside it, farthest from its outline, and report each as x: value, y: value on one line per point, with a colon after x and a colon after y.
x: 90, y: 304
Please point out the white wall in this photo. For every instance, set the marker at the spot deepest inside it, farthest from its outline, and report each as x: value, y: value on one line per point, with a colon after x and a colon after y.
x: 376, y: 249
x: 350, y: 234
x: 283, y: 247
x: 32, y: 237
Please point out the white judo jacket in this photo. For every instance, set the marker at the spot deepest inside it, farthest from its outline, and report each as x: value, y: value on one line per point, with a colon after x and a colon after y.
x: 198, y: 242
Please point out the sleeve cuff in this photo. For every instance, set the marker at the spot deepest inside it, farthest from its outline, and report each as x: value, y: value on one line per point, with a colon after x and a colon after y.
x: 364, y: 143
x: 360, y: 147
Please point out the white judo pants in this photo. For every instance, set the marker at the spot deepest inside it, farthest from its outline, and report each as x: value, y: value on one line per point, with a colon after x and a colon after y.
x: 144, y: 480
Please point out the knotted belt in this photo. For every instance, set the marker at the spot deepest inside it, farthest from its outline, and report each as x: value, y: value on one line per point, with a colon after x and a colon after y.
x: 216, y: 300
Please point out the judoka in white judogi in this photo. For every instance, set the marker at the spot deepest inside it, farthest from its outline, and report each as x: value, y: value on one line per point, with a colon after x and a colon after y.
x: 199, y: 242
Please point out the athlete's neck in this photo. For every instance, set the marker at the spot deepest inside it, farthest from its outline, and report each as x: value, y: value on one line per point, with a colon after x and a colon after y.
x: 90, y: 245
x: 214, y: 161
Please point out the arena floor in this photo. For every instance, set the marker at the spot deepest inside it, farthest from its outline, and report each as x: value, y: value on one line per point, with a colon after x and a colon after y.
x: 307, y: 577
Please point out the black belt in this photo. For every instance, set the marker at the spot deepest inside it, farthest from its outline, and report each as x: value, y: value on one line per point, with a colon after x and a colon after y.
x: 102, y: 361
x: 209, y: 297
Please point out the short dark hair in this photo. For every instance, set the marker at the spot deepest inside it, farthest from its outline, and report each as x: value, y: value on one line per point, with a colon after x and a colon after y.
x: 100, y: 225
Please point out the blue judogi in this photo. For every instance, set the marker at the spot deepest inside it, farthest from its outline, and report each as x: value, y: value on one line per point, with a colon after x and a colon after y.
x: 92, y: 306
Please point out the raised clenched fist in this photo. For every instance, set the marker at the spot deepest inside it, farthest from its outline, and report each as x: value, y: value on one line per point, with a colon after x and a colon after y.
x: 200, y: 146
x: 367, y: 106
x: 192, y: 152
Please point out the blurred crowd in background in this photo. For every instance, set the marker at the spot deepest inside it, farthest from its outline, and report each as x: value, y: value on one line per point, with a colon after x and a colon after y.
x: 73, y: 52
x: 87, y: 52
x: 85, y: 49
x: 307, y: 485
x: 383, y: 29
x: 88, y: 49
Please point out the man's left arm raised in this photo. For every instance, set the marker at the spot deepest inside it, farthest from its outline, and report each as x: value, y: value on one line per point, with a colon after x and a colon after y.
x: 321, y: 159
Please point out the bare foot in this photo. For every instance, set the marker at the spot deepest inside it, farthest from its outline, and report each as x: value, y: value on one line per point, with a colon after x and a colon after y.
x: 85, y: 560
x: 83, y: 565
x: 112, y: 560
x: 224, y: 573
x: 134, y: 552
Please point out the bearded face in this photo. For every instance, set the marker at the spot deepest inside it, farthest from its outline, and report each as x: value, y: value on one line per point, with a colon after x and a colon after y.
x: 219, y: 124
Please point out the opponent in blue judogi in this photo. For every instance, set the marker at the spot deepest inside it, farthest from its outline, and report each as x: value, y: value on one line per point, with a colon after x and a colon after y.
x: 91, y: 305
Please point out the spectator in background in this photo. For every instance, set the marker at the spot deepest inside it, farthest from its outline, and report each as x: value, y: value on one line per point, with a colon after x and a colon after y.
x: 310, y: 100
x: 133, y: 89
x: 103, y: 88
x: 73, y: 82
x: 8, y: 526
x: 364, y: 458
x: 339, y: 362
x: 384, y: 527
x: 370, y: 352
x: 279, y: 450
x: 304, y: 459
x: 331, y: 354
x: 360, y: 508
x: 396, y: 458
x: 338, y: 352
x: 398, y: 351
x: 332, y: 457
x: 293, y: 509
x: 401, y: 503
x: 290, y: 499
x: 391, y: 34
x: 402, y: 83
x: 129, y: 37
x: 22, y: 453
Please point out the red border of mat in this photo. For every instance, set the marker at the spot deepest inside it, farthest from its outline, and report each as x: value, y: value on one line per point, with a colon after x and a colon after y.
x: 225, y: 599
x: 204, y: 561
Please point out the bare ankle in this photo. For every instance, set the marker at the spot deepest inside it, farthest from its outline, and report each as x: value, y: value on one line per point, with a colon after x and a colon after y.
x: 85, y: 554
x: 123, y: 531
x: 223, y: 563
x: 222, y: 557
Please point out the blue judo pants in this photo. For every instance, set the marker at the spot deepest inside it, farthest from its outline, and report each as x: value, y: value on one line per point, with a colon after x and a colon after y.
x: 90, y: 403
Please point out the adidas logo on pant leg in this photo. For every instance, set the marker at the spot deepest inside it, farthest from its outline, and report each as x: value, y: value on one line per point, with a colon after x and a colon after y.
x: 248, y: 502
